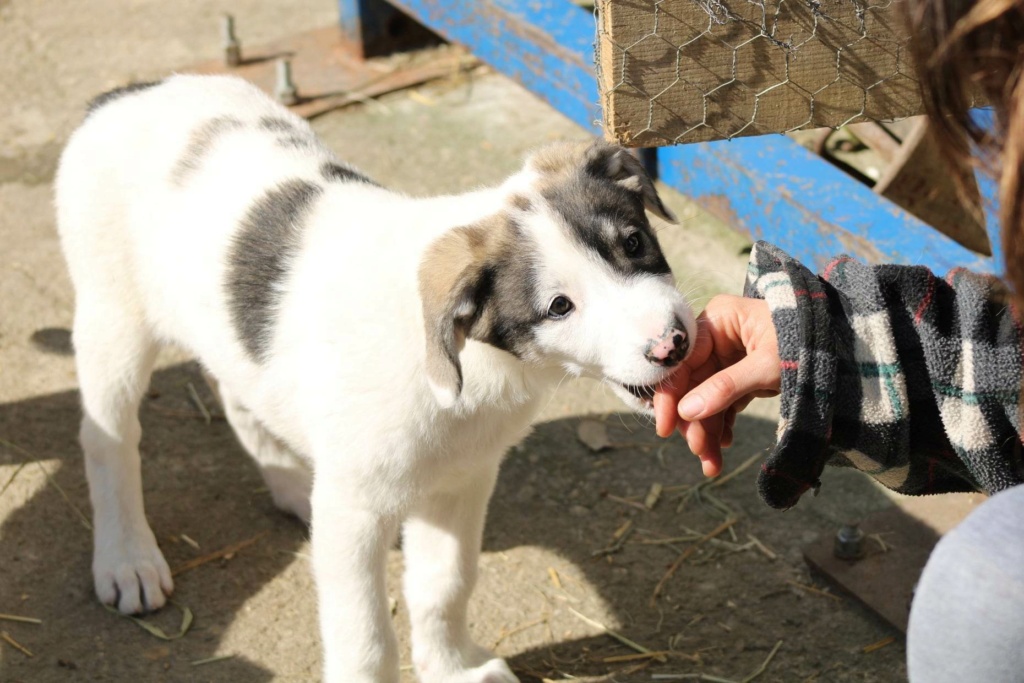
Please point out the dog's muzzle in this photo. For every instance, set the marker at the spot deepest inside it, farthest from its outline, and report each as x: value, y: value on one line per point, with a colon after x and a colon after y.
x: 669, y: 350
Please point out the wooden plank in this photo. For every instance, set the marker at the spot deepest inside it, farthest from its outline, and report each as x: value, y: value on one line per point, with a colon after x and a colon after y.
x: 884, y: 580
x: 671, y: 73
x: 918, y: 179
x: 329, y: 75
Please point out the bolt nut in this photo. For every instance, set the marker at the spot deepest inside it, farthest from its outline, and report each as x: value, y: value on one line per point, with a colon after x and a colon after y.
x: 232, y: 48
x: 284, y: 90
x: 849, y: 543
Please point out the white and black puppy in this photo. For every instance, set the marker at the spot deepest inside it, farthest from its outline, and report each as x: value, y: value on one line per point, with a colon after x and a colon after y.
x: 376, y: 353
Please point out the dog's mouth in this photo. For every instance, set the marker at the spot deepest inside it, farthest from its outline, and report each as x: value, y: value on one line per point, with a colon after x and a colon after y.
x: 641, y: 392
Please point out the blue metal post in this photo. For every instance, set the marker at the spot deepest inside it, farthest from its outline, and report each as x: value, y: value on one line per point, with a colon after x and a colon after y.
x: 546, y: 45
x: 377, y: 27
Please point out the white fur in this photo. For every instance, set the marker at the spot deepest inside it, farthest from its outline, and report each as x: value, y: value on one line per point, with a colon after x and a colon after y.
x: 343, y: 385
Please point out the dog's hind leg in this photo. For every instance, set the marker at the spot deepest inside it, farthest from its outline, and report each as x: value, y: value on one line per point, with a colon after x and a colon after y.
x: 441, y: 544
x: 115, y: 354
x: 287, y: 475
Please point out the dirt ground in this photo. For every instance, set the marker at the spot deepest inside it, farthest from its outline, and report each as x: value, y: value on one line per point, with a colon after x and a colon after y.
x: 554, y: 574
x: 721, y: 614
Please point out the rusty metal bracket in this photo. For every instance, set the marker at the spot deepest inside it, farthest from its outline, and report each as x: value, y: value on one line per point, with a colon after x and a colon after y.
x: 897, y: 544
x: 327, y: 75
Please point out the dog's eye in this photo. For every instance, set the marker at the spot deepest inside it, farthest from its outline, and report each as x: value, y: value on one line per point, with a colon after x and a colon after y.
x: 633, y: 245
x: 559, y: 307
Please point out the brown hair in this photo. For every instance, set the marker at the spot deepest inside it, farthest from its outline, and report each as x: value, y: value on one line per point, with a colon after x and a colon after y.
x: 970, y: 50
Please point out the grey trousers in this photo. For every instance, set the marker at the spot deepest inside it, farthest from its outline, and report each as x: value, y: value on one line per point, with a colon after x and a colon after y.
x: 967, y: 618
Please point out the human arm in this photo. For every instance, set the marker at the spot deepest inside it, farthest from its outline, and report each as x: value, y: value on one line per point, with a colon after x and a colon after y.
x: 911, y: 378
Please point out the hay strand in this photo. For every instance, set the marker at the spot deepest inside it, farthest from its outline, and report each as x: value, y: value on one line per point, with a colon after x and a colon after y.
x: 815, y: 591
x: 6, y: 637
x: 764, y: 665
x: 619, y: 637
x: 49, y: 480
x: 211, y: 660
x: 216, y: 555
x: 21, y: 620
x: 868, y: 649
x: 687, y: 553
x: 153, y: 629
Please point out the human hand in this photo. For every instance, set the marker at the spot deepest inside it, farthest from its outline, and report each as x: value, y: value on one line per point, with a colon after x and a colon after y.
x: 735, y: 359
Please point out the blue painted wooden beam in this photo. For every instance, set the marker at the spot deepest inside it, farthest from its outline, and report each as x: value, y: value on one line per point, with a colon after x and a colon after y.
x: 774, y: 189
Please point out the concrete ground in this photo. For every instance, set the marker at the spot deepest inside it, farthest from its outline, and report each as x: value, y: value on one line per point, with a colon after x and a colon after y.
x: 557, y: 504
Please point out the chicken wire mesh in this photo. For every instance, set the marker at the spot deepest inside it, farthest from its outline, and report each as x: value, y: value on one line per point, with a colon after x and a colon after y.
x: 678, y: 71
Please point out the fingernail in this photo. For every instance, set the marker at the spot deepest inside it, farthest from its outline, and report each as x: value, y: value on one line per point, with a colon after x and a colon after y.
x: 690, y: 407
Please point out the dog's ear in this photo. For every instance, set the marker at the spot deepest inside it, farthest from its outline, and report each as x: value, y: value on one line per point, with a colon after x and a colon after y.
x: 616, y: 163
x: 449, y: 279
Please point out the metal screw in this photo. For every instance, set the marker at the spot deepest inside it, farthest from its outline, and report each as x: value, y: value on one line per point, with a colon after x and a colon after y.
x: 232, y: 48
x: 849, y: 543
x: 284, y: 90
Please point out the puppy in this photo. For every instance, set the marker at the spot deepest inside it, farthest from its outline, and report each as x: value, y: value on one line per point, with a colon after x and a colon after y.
x: 376, y: 353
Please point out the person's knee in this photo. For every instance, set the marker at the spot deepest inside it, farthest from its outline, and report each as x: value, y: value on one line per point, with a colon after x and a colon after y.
x: 967, y: 618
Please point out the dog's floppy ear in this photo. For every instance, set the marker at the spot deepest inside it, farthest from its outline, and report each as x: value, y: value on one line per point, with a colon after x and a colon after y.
x: 604, y: 160
x: 449, y: 279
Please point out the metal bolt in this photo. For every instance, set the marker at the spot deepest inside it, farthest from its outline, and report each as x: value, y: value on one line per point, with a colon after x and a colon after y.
x: 232, y: 48
x: 284, y: 90
x: 849, y: 543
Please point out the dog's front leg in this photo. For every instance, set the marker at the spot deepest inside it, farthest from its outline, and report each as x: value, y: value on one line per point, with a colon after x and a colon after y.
x: 441, y: 544
x: 350, y: 546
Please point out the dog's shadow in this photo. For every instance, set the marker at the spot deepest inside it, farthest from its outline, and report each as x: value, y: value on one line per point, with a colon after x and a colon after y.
x: 198, y: 484
x: 549, y: 573
x: 607, y: 553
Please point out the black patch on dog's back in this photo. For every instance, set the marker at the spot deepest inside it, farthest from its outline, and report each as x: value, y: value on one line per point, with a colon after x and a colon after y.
x: 268, y: 239
x: 200, y: 142
x: 335, y: 172
x: 117, y: 93
x: 277, y: 124
x: 298, y: 141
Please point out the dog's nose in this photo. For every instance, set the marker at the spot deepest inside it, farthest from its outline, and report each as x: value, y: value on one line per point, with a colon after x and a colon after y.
x: 670, y: 349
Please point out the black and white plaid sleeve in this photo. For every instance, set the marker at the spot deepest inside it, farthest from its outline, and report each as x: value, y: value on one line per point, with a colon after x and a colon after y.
x: 914, y: 379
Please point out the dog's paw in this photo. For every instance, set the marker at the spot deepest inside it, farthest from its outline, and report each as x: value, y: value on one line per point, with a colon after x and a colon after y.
x: 492, y: 671
x: 467, y: 664
x: 132, y: 576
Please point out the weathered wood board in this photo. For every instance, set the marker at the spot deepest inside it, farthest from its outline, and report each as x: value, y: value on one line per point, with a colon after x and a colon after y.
x: 680, y: 71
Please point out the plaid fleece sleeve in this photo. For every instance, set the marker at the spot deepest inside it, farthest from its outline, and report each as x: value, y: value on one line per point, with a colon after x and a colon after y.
x: 913, y: 379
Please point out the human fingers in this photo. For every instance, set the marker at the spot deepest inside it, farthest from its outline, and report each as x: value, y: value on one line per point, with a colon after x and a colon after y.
x: 667, y: 395
x: 704, y: 438
x: 733, y: 411
x: 754, y: 373
x: 668, y: 392
x: 665, y: 415
x: 729, y: 423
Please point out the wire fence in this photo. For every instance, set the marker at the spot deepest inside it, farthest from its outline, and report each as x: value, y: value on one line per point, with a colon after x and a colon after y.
x: 677, y: 71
